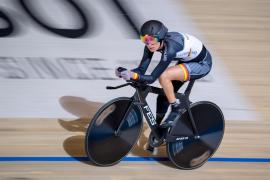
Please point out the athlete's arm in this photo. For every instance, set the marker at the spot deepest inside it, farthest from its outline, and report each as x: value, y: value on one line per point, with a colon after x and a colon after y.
x: 167, y: 56
x: 146, y: 59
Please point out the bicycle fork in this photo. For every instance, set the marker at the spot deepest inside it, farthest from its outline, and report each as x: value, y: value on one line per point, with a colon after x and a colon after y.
x: 139, y: 99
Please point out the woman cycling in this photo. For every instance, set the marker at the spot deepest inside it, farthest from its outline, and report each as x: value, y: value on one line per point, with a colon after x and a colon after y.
x: 193, y: 61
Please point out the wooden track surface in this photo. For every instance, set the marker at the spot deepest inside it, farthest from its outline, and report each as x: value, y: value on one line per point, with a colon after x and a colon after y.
x: 62, y: 138
x: 239, y: 33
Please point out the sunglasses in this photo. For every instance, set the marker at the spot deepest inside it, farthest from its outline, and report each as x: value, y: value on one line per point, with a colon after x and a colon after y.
x: 147, y: 39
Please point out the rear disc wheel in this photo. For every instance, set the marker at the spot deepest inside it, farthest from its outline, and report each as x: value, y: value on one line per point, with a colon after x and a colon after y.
x: 194, y: 152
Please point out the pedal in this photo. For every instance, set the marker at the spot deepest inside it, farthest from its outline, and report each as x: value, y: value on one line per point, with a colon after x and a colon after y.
x: 153, y: 141
x: 150, y: 149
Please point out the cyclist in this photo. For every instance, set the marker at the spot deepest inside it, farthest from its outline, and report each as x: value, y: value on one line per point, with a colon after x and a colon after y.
x: 193, y: 61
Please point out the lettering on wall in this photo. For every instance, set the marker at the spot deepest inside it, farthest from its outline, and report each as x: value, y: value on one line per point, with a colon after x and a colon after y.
x: 85, y: 17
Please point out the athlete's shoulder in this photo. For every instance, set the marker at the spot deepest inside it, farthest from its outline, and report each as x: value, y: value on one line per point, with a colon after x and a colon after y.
x: 176, y: 36
x: 174, y: 40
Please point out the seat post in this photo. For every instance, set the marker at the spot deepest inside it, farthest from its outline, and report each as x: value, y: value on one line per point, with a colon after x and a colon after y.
x: 189, y: 87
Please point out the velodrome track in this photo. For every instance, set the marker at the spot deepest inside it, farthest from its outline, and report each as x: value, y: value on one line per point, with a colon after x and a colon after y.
x: 238, y: 32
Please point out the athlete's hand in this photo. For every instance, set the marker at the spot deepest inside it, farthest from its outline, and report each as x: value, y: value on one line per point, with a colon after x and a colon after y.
x: 119, y: 70
x: 129, y: 75
x: 126, y: 74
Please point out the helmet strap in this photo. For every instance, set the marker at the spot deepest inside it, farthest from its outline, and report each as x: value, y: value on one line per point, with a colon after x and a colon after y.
x: 161, y: 44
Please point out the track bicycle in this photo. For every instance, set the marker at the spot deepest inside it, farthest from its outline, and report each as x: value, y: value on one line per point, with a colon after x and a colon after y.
x: 191, y: 140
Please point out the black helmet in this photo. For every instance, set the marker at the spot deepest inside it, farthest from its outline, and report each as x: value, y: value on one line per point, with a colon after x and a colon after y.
x: 154, y: 28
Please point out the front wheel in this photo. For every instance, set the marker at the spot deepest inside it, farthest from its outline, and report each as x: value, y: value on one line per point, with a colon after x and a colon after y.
x: 193, y: 152
x: 113, y: 131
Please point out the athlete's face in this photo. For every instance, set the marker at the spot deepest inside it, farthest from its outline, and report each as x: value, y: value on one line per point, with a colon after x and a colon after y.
x: 153, y: 46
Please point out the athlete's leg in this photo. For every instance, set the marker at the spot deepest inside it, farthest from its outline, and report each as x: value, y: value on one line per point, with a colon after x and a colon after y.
x: 163, y: 104
x: 171, y: 80
x: 182, y: 72
x: 178, y: 73
x: 174, y: 73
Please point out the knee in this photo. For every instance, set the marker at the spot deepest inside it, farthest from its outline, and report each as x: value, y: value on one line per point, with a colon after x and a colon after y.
x: 163, y: 77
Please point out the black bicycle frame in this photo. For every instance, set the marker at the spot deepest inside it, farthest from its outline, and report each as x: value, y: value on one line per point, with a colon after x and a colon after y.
x: 140, y: 99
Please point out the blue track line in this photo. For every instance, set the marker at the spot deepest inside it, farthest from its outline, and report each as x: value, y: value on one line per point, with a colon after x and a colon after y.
x: 131, y: 159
